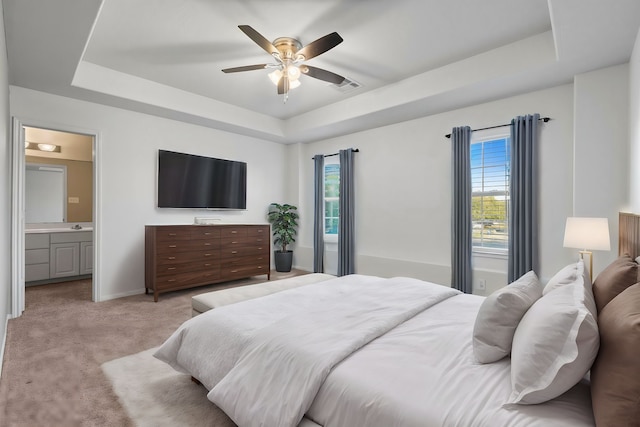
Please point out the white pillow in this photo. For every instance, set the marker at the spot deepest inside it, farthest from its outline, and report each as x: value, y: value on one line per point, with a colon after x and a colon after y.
x: 555, y: 343
x: 567, y: 275
x: 499, y: 316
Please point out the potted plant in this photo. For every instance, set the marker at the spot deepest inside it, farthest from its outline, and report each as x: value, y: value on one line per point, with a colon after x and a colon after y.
x: 284, y: 221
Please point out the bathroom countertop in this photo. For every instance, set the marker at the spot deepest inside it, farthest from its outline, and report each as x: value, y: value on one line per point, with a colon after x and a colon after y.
x: 56, y: 230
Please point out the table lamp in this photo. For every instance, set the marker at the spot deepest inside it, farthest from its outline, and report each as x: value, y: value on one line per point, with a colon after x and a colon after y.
x: 587, y: 234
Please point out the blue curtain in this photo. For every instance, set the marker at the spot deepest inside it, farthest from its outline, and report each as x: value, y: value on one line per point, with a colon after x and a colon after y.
x: 523, y: 205
x: 461, y: 227
x: 318, y: 214
x: 346, y: 231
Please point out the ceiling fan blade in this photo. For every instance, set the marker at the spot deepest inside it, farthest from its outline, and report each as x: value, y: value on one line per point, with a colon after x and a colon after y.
x: 245, y: 68
x: 259, y: 39
x: 283, y: 85
x: 320, y: 46
x: 320, y: 74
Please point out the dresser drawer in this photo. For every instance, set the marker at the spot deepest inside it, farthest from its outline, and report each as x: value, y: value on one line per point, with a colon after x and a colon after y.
x: 231, y: 231
x: 186, y: 267
x: 243, y: 271
x: 178, y: 281
x: 243, y: 251
x: 205, y: 232
x: 240, y: 241
x: 169, y: 234
x: 258, y: 230
x: 262, y: 260
x: 187, y: 245
x: 182, y: 257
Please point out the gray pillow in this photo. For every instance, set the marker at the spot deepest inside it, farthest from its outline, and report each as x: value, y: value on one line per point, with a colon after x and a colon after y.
x: 499, y: 316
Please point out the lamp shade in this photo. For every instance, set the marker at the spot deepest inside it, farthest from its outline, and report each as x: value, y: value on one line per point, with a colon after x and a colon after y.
x: 587, y: 233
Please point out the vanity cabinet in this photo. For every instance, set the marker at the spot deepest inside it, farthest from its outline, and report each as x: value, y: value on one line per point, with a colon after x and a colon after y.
x: 36, y: 257
x: 86, y: 257
x: 58, y: 255
x: 65, y: 260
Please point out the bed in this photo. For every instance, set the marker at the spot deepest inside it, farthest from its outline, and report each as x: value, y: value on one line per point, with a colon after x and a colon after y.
x: 366, y: 351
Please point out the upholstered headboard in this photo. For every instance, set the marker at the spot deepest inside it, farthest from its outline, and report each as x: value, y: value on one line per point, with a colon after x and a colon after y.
x: 629, y: 234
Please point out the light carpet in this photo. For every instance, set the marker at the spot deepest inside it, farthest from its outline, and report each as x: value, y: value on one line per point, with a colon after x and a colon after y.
x: 155, y: 395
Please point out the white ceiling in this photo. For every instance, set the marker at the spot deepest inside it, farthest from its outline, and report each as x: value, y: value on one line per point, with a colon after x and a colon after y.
x: 412, y: 57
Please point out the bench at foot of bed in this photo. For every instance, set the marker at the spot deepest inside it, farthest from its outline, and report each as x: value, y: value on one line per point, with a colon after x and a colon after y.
x: 207, y: 301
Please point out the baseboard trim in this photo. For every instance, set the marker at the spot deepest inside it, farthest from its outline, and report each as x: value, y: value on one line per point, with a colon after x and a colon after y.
x: 120, y: 295
x: 4, y: 342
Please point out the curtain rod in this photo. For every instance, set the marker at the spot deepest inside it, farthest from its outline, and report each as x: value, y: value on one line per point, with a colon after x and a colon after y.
x: 544, y: 119
x: 355, y: 150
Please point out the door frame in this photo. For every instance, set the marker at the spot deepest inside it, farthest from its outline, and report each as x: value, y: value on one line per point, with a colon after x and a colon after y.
x: 18, y: 162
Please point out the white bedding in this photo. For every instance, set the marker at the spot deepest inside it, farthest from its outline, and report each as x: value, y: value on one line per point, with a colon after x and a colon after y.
x: 421, y: 373
x: 289, y: 360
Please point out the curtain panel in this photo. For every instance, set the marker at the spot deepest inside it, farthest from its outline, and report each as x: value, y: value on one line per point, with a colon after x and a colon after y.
x: 523, y: 205
x: 346, y: 227
x: 318, y: 214
x: 461, y: 226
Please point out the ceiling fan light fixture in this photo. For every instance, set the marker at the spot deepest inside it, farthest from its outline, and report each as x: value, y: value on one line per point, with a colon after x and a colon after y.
x: 276, y: 75
x: 293, y: 72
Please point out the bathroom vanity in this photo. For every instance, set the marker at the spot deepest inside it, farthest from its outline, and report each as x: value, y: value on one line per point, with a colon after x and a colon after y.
x: 58, y: 254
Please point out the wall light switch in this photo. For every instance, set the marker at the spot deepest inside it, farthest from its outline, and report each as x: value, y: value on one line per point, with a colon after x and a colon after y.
x: 482, y: 284
x: 74, y: 199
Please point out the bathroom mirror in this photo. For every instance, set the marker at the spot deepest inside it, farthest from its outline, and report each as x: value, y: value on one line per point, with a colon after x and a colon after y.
x: 45, y: 193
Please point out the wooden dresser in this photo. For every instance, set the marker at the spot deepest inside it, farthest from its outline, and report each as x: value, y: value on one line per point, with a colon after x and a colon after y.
x: 186, y: 256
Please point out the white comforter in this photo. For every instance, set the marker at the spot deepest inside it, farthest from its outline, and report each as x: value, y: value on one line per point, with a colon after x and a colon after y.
x: 280, y: 348
x: 284, y: 364
x: 421, y: 373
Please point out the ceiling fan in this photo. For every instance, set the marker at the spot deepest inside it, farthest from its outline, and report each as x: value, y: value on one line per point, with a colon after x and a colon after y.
x: 290, y: 55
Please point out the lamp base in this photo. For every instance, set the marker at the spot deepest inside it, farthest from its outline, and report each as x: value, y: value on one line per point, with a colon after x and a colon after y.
x: 582, y: 254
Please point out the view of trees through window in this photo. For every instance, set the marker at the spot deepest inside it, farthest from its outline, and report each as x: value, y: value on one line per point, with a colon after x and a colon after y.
x: 331, y: 198
x: 490, y: 169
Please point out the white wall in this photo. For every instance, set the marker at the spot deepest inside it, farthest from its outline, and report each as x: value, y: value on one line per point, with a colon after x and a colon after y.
x: 5, y: 191
x: 634, y: 128
x: 601, y: 150
x: 127, y: 160
x: 403, y: 189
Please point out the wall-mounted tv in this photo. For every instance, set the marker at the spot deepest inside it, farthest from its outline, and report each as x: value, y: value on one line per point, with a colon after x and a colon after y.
x: 190, y: 181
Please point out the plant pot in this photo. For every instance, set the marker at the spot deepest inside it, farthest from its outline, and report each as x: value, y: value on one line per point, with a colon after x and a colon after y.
x: 283, y: 260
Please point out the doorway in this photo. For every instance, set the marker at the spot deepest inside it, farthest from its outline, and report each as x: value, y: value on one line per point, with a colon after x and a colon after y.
x: 67, y: 220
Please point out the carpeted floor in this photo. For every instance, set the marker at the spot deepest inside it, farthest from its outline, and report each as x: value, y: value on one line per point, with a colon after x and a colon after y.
x: 155, y: 395
x: 51, y: 374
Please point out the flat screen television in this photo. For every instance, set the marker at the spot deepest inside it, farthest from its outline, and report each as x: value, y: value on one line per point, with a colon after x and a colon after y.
x: 190, y: 181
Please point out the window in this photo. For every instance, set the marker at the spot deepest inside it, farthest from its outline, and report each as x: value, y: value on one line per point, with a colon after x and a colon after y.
x: 490, y: 169
x: 331, y: 198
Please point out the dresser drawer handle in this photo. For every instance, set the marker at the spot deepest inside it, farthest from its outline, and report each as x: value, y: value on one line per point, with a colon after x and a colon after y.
x: 207, y: 254
x: 233, y: 231
x: 171, y: 257
x: 207, y: 265
x: 234, y: 252
x: 173, y: 246
x: 259, y: 267
x: 171, y: 268
x: 172, y: 234
x: 234, y: 271
x: 207, y: 244
x: 233, y: 243
x: 207, y: 234
x: 259, y: 249
x: 260, y: 231
x: 171, y: 280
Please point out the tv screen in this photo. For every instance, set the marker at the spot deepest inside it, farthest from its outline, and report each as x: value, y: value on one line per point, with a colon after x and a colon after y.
x: 190, y: 181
